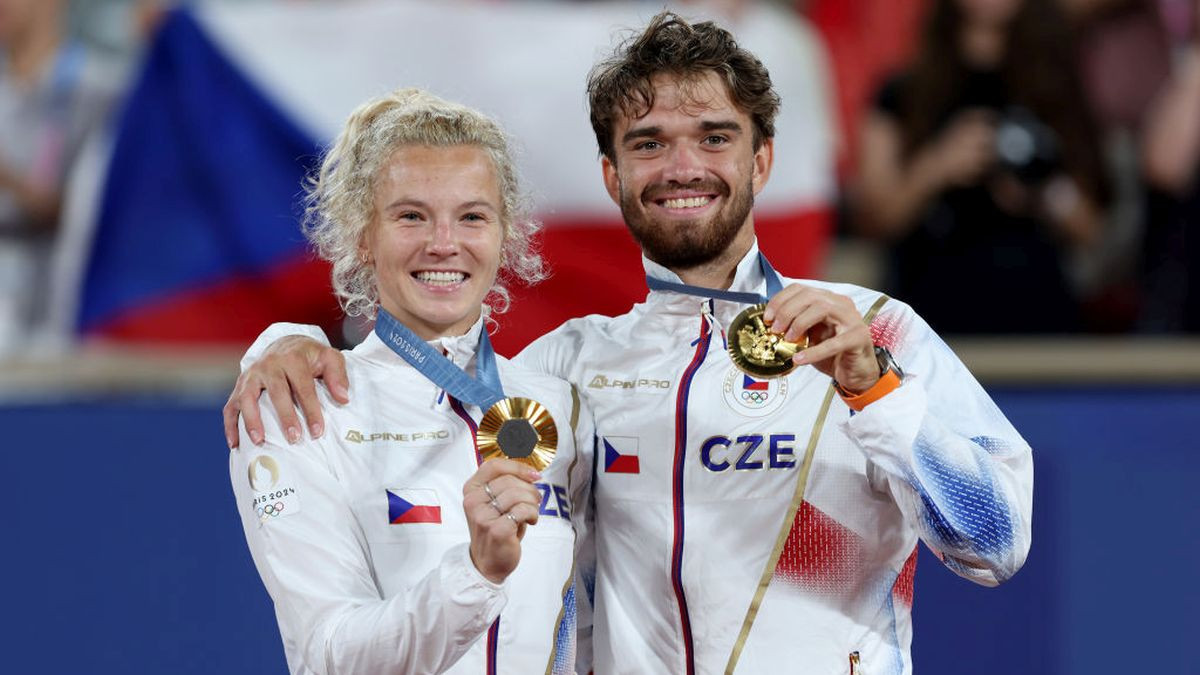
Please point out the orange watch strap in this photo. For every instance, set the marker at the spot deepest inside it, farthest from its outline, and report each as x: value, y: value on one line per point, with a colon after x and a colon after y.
x: 888, y: 382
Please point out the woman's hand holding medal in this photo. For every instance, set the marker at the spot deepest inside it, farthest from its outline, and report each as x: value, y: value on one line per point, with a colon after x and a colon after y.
x: 500, y: 501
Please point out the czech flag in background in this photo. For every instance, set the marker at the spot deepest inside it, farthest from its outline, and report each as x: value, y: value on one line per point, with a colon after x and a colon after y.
x: 409, y: 505
x: 621, y: 455
x: 196, y: 236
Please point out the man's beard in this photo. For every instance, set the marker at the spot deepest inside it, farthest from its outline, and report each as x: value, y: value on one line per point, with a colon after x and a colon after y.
x: 687, y: 245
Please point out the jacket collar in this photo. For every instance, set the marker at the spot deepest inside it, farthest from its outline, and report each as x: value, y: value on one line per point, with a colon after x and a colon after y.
x: 460, y: 349
x: 747, y: 278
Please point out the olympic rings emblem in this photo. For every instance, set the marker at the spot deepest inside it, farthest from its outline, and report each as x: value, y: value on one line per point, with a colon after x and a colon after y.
x: 754, y: 396
x: 270, y: 510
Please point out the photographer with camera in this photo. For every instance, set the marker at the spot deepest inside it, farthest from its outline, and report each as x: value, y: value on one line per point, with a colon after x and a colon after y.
x: 982, y: 169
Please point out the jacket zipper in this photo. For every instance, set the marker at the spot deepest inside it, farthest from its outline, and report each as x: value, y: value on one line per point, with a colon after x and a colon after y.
x: 493, y: 634
x: 681, y: 403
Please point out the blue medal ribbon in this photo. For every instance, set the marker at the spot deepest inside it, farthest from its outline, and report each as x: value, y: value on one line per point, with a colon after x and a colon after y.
x: 774, y: 285
x: 483, y: 390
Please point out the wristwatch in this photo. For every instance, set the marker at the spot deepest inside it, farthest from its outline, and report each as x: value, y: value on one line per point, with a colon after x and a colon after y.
x: 886, y: 363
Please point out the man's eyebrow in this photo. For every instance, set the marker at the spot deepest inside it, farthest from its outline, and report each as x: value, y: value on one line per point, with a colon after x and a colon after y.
x: 720, y: 125
x: 705, y: 125
x: 641, y: 132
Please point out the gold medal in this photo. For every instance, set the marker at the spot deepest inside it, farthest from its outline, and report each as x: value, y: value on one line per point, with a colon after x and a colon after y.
x: 520, y: 429
x: 756, y: 350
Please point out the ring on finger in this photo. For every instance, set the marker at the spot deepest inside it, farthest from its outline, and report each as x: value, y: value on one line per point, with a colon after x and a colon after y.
x: 496, y: 505
x: 512, y: 518
x: 488, y: 489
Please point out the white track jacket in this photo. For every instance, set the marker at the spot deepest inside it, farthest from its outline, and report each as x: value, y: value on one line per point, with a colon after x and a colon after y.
x: 361, y: 540
x: 719, y: 549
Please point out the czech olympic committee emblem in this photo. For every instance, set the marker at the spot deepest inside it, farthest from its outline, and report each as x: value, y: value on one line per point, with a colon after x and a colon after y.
x: 751, y: 396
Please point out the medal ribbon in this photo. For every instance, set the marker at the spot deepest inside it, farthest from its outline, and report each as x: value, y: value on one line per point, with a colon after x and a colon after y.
x: 483, y: 390
x: 774, y: 285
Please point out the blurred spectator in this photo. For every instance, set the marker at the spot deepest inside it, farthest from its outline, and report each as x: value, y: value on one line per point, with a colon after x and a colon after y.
x: 1124, y: 60
x: 1124, y: 57
x: 866, y: 39
x: 53, y: 94
x: 1171, y: 158
x: 981, y: 166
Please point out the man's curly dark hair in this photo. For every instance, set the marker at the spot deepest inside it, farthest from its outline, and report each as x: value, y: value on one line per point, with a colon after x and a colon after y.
x: 623, y: 83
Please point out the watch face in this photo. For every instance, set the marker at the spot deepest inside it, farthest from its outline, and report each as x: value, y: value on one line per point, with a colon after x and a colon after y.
x: 886, y: 362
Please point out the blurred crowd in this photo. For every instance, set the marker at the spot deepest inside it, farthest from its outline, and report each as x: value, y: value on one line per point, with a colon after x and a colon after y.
x: 1021, y: 166
x: 1032, y: 166
x: 63, y: 68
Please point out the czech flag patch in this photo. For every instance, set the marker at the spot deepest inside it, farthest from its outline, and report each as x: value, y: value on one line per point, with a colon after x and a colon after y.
x: 751, y: 384
x: 409, y: 505
x: 621, y: 454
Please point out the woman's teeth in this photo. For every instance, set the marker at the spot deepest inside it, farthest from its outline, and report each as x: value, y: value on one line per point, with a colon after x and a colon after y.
x: 440, y: 278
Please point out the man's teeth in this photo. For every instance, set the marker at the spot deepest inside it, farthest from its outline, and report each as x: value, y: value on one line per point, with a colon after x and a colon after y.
x: 441, y: 277
x: 686, y: 202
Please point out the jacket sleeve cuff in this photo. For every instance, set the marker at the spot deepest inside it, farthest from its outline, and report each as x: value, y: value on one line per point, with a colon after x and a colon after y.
x: 887, y: 428
x: 467, y: 588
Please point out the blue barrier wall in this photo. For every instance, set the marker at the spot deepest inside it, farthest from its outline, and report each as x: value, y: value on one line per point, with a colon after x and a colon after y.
x: 123, y: 553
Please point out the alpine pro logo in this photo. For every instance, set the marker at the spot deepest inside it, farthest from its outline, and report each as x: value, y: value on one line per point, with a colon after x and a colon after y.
x: 636, y: 383
x: 753, y: 397
x: 413, y: 438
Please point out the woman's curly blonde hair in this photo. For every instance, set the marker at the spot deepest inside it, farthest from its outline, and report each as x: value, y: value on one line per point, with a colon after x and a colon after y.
x: 339, y: 199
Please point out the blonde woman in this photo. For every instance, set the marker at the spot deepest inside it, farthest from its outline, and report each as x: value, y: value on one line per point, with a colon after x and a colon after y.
x: 358, y: 535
